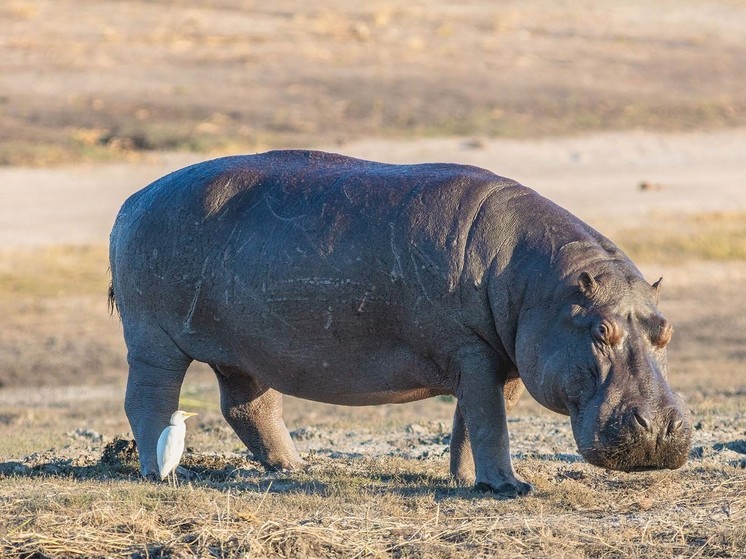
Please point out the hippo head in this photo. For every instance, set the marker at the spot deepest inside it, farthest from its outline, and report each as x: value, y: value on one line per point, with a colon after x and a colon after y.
x: 597, y: 352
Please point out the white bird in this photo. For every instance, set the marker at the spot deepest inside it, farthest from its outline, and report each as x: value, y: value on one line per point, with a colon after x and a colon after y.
x: 171, y: 444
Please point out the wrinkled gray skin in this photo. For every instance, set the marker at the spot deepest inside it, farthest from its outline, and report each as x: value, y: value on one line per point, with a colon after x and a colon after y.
x: 357, y: 283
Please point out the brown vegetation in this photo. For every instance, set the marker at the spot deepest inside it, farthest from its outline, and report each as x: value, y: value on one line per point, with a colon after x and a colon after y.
x: 383, y: 507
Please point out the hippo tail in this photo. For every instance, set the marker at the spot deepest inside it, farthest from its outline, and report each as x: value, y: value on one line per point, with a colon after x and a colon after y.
x: 112, y: 300
x: 112, y: 303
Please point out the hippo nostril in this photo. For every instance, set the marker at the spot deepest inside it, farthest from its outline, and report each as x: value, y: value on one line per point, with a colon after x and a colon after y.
x: 673, y: 426
x: 641, y: 420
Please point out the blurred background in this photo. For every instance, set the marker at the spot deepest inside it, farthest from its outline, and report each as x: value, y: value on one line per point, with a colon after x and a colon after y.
x: 105, y: 79
x: 629, y: 113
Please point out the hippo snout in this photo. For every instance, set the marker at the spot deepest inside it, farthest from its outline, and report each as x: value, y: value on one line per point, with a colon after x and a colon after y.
x: 638, y: 440
x: 640, y: 424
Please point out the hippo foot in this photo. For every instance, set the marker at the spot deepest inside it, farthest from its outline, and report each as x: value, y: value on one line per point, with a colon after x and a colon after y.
x: 283, y: 465
x: 507, y: 489
x: 464, y: 480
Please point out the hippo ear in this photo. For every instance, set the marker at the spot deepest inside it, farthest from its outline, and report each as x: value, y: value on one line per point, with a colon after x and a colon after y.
x: 587, y: 284
x: 663, y: 334
x: 657, y: 287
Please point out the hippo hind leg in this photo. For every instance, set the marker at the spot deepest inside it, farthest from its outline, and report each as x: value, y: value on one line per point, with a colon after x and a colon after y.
x: 254, y: 411
x: 156, y: 372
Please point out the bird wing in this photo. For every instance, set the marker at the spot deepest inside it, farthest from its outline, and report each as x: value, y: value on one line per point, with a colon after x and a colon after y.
x: 170, y: 449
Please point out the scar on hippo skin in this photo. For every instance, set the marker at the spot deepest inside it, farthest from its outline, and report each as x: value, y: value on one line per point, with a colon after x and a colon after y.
x: 442, y: 279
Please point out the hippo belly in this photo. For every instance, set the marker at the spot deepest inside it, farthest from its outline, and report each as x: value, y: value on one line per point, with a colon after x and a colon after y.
x: 334, y: 332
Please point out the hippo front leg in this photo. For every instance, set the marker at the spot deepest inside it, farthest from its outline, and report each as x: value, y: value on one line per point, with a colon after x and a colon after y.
x: 483, y: 425
x: 254, y: 411
x: 462, y: 459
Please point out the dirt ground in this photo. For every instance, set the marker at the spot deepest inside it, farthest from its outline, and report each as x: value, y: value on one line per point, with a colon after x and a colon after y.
x: 629, y: 115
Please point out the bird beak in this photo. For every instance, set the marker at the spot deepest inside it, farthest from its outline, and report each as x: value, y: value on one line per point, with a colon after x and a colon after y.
x: 189, y: 414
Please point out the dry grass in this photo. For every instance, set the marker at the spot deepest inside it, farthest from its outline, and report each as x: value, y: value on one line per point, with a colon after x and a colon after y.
x: 374, y: 508
x: 53, y: 272
x: 56, y: 326
x: 707, y: 236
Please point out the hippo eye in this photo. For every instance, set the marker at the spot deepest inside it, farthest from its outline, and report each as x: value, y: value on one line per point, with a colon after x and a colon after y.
x: 606, y: 333
x: 602, y: 332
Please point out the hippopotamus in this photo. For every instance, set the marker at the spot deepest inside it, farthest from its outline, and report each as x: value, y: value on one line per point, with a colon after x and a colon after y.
x: 354, y: 282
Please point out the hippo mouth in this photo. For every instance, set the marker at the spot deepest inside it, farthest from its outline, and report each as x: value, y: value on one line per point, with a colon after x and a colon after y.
x: 620, y: 444
x: 626, y: 461
x: 639, y: 454
x: 636, y: 469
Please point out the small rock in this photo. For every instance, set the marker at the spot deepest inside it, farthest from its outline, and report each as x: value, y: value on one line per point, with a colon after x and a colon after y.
x: 416, y: 429
x: 697, y: 452
x: 737, y: 446
x: 650, y: 186
x: 51, y: 469
x: 21, y: 470
x: 305, y: 434
x: 81, y: 433
x: 473, y: 143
